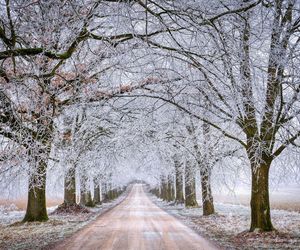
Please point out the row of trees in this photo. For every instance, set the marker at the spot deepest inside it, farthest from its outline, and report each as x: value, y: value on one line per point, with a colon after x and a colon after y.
x: 53, y: 56
x: 243, y: 79
x: 218, y: 79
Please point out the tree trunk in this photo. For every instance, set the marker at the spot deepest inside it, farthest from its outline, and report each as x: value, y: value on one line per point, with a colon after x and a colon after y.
x: 190, y: 188
x: 206, y: 168
x: 179, y: 184
x: 85, y: 193
x: 105, y: 192
x: 164, y: 190
x: 83, y: 188
x: 70, y: 187
x: 115, y: 193
x: 260, y: 203
x: 89, y: 200
x: 207, y: 198
x: 36, y: 206
x: 110, y: 193
x: 170, y: 189
x: 97, y: 198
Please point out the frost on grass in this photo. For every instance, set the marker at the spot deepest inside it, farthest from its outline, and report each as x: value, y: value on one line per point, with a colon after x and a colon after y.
x: 43, y: 235
x: 10, y: 214
x: 229, y: 227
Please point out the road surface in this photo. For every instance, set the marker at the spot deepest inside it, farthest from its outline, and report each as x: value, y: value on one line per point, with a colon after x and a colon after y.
x: 136, y: 224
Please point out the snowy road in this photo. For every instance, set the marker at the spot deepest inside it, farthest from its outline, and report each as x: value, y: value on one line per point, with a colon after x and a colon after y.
x: 136, y: 224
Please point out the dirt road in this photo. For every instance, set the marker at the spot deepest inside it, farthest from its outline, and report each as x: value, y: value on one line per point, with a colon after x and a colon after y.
x: 136, y: 224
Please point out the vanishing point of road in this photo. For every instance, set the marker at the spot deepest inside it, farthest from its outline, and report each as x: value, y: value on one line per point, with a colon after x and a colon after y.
x: 136, y: 224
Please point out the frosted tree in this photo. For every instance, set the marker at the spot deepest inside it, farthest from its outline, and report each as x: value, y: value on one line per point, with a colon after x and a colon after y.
x: 50, y: 56
x: 246, y: 61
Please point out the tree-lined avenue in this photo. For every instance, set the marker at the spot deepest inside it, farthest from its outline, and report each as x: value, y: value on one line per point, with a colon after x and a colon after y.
x: 136, y: 223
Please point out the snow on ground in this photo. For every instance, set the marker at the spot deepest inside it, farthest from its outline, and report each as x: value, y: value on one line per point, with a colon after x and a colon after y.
x: 10, y: 214
x: 229, y: 227
x: 286, y: 198
x: 43, y: 235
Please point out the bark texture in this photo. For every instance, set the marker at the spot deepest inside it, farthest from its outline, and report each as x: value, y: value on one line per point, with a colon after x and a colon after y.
x: 207, y: 198
x: 70, y: 187
x: 83, y: 192
x: 105, y: 192
x: 89, y: 200
x: 97, y: 198
x: 36, y: 206
x: 178, y: 183
x: 205, y: 170
x: 170, y: 189
x: 164, y: 189
x: 260, y: 203
x: 190, y: 188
